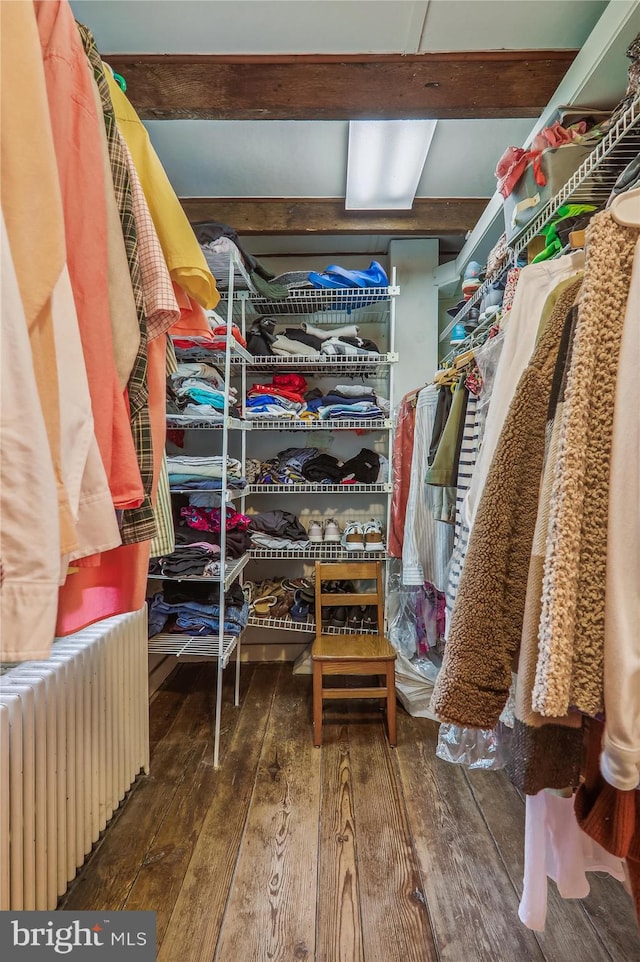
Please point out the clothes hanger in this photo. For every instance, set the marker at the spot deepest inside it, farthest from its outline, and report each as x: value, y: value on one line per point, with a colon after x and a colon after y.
x: 625, y: 208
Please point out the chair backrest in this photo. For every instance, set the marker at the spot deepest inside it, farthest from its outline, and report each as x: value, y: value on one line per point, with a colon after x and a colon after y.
x: 349, y: 571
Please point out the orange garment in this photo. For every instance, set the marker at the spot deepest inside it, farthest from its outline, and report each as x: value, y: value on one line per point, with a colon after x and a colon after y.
x: 117, y: 585
x: 119, y: 582
x: 33, y: 216
x: 193, y: 320
x: 76, y: 137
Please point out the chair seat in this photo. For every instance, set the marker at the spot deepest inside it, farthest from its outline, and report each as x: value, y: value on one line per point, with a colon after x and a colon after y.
x: 352, y: 648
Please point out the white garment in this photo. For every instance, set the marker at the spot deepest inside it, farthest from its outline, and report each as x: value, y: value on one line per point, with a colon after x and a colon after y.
x: 535, y: 283
x: 83, y: 473
x: 620, y: 760
x: 350, y: 331
x: 556, y: 847
x: 427, y: 543
x: 203, y: 467
x: 30, y: 542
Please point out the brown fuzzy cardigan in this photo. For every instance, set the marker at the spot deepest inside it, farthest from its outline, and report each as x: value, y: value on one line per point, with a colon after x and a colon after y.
x: 486, y: 625
x: 570, y: 666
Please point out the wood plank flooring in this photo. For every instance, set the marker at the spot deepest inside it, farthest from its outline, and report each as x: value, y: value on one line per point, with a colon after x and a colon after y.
x: 355, y: 852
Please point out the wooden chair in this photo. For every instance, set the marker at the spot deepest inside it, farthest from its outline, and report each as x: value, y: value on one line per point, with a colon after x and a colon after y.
x: 352, y: 654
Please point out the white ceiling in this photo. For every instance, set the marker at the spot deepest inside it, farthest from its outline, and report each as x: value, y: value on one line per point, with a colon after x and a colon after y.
x: 336, y: 26
x: 308, y: 158
x: 283, y: 158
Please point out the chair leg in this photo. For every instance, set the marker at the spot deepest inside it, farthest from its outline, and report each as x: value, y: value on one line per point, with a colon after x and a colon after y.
x: 391, y: 704
x: 317, y: 704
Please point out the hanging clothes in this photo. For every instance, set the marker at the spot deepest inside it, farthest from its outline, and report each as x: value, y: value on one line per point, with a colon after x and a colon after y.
x: 75, y: 122
x: 186, y: 262
x: 535, y: 284
x: 571, y: 633
x: 620, y: 761
x: 402, y: 455
x: 30, y: 566
x: 545, y: 752
x: 484, y: 635
x: 427, y: 543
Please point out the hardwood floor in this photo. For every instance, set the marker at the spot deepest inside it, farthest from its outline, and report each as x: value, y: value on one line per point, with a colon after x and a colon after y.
x: 355, y: 852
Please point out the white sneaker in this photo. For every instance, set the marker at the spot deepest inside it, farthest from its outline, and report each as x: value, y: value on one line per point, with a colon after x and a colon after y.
x: 314, y: 531
x: 373, y: 536
x: 332, y: 531
x: 353, y: 537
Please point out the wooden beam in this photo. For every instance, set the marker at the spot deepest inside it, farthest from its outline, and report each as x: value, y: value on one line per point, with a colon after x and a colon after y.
x: 502, y: 83
x: 326, y: 215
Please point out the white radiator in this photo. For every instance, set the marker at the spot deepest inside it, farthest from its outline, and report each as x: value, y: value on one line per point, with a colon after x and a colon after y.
x: 74, y: 733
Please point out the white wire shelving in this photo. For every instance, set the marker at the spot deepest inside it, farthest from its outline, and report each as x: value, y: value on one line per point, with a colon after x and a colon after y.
x: 308, y: 626
x: 475, y: 299
x: 326, y: 364
x: 594, y: 179
x: 591, y: 183
x: 232, y: 570
x: 327, y: 307
x: 337, y: 424
x: 320, y: 551
x: 311, y: 488
x: 231, y: 494
x: 202, y: 646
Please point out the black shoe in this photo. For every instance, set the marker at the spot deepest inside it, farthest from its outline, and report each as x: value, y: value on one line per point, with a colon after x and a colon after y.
x: 354, y: 618
x: 370, y: 620
x: 338, y: 617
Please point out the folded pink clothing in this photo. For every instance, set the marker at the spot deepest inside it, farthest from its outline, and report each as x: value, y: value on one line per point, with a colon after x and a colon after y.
x: 209, y: 519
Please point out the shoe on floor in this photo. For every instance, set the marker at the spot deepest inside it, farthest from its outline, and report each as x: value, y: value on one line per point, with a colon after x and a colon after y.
x: 332, y: 531
x: 353, y: 537
x: 373, y: 536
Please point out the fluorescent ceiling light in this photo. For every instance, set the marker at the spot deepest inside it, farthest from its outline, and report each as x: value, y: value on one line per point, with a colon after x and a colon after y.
x: 386, y: 158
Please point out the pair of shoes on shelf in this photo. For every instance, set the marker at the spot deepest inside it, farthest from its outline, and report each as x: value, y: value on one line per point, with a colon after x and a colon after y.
x: 327, y: 531
x: 360, y: 618
x: 273, y: 599
x: 358, y: 537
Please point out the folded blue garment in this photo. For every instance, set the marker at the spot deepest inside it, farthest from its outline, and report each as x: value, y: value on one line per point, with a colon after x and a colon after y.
x: 212, y: 398
x: 193, y: 614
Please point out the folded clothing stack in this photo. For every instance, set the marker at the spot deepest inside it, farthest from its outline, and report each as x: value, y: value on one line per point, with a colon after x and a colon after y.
x: 189, y: 559
x: 287, y: 397
x: 198, y: 390
x: 190, y: 348
x: 307, y: 341
x: 308, y: 465
x: 196, y: 609
x: 284, y: 397
x: 277, y: 529
x: 219, y: 242
x: 194, y: 519
x: 203, y: 473
x: 286, y: 466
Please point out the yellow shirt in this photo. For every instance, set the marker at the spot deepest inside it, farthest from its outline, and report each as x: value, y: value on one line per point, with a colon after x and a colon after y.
x: 185, y: 260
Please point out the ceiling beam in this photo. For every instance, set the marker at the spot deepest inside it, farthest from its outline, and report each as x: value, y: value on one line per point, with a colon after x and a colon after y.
x: 501, y: 83
x: 326, y: 215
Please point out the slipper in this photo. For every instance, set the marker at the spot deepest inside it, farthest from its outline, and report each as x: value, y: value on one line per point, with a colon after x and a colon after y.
x: 283, y: 606
x: 300, y: 609
x: 262, y: 607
